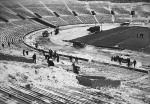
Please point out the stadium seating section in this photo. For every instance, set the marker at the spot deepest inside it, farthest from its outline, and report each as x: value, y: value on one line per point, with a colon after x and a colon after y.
x: 16, y: 28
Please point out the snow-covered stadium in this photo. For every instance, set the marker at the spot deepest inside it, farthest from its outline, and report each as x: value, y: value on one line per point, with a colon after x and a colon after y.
x: 74, y: 52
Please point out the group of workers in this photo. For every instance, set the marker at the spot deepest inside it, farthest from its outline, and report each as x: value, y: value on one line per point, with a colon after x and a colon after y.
x: 50, y: 57
x: 123, y: 60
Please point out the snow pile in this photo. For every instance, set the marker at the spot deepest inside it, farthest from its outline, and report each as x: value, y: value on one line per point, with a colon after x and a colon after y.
x: 22, y: 73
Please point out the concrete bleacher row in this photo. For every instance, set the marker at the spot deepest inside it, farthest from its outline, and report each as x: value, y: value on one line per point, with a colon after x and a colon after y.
x: 17, y: 28
x: 47, y: 9
x: 14, y: 32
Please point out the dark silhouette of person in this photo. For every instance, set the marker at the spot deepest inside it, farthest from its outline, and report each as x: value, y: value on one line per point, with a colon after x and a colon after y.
x: 75, y: 68
x: 57, y: 57
x: 10, y: 95
x: 128, y: 62
x: 23, y: 52
x: 112, y: 58
x: 141, y: 35
x: 76, y: 59
x: 3, y: 45
x: 47, y: 57
x: 50, y: 62
x: 36, y: 71
x: 119, y: 60
x: 70, y: 58
x: 134, y: 63
x: 34, y: 58
x: 8, y: 44
x: 54, y: 55
x: 27, y: 52
x: 50, y: 53
x: 137, y: 35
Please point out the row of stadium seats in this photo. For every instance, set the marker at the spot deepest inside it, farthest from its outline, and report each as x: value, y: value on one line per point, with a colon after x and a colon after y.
x: 62, y: 9
x: 99, y: 8
x: 72, y: 20
x: 14, y: 32
x: 7, y: 15
x: 120, y: 10
x: 79, y: 8
x: 59, y: 8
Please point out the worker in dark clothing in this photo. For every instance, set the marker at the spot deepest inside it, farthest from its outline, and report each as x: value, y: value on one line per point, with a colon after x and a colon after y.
x: 27, y: 52
x: 10, y: 95
x: 134, y: 63
x: 119, y: 60
x: 8, y: 44
x: 70, y: 57
x: 57, y: 57
x: 128, y: 62
x: 34, y: 58
x: 47, y: 57
x: 50, y: 62
x: 75, y: 69
x: 137, y: 35
x: 3, y: 45
x: 50, y: 53
x: 23, y: 52
x: 76, y: 59
x: 54, y: 55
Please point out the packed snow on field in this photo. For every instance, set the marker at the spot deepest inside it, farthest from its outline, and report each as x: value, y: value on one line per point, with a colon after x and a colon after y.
x: 40, y: 75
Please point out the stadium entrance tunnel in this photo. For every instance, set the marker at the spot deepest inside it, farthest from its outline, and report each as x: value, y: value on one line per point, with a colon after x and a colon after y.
x: 97, y: 81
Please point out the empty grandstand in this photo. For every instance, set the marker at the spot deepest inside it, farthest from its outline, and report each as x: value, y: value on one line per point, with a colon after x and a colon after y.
x: 108, y: 66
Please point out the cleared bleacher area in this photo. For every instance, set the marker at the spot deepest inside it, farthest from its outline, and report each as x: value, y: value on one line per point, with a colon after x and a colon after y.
x: 60, y: 8
x: 99, y: 8
x: 55, y: 21
x: 39, y: 8
x: 72, y: 20
x: 8, y: 15
x: 104, y: 18
x: 16, y: 28
x: 88, y: 19
x: 120, y: 10
x: 14, y: 32
x: 122, y: 18
x: 80, y: 8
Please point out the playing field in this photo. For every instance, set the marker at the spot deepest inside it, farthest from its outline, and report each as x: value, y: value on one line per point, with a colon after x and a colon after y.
x: 122, y: 37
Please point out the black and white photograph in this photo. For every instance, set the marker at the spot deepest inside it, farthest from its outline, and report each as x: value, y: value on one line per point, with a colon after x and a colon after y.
x: 74, y: 52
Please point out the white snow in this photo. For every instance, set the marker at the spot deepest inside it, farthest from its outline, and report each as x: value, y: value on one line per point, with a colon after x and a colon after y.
x: 41, y: 75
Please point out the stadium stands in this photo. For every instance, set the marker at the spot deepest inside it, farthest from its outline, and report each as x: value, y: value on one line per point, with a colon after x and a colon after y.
x: 8, y: 15
x: 41, y: 11
x: 11, y: 4
x: 55, y: 21
x: 79, y: 7
x: 99, y: 8
x: 120, y: 10
x: 104, y: 18
x: 122, y: 18
x: 23, y: 12
x: 88, y: 19
x: 60, y: 8
x: 72, y: 20
x: 17, y: 28
x: 15, y: 31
